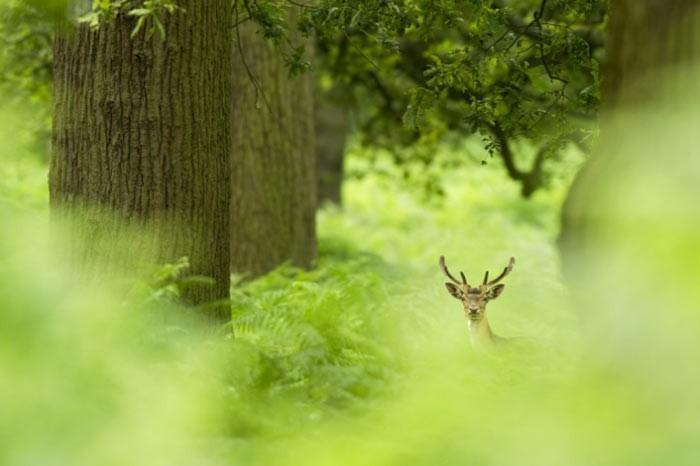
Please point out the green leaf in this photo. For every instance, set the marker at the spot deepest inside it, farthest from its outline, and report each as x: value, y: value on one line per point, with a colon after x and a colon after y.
x: 138, y: 27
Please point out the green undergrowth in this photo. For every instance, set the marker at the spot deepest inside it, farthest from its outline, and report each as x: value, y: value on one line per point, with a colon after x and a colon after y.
x: 365, y: 360
x: 367, y: 347
x: 372, y: 327
x: 317, y: 341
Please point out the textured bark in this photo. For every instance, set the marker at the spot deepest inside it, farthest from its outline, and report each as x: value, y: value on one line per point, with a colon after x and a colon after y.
x: 141, y: 140
x: 332, y: 127
x: 645, y: 38
x: 273, y: 208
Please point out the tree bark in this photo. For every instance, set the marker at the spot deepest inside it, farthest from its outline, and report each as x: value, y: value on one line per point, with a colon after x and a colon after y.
x: 332, y: 127
x: 273, y: 208
x: 141, y: 140
x: 645, y: 38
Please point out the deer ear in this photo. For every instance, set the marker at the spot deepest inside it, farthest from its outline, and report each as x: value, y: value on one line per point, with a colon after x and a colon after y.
x: 496, y: 291
x: 454, y: 291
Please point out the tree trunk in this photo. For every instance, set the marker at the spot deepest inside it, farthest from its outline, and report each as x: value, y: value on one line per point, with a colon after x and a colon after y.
x: 332, y: 126
x: 645, y: 37
x: 273, y: 209
x: 141, y: 140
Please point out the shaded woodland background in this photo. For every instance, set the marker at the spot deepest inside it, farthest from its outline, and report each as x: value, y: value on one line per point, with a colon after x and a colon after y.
x: 234, y: 260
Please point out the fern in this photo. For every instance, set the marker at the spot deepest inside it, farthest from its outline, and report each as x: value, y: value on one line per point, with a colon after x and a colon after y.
x: 314, y: 336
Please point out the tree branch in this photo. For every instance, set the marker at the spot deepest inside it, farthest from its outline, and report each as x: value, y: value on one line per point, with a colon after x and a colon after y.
x: 506, y: 152
x: 519, y: 26
x: 259, y: 91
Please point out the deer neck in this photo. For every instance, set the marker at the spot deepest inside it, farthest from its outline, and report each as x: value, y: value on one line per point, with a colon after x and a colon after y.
x: 481, y: 335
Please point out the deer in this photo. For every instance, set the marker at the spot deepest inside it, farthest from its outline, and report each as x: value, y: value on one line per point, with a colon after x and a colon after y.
x: 474, y: 300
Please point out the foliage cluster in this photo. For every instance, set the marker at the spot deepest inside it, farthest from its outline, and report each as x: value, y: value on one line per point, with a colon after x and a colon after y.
x: 26, y: 62
x: 148, y: 13
x: 320, y: 340
x: 421, y: 168
x: 25, y: 51
x: 507, y: 70
x: 23, y: 172
x: 510, y: 71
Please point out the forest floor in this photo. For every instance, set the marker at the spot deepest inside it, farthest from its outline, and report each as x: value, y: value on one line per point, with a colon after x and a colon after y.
x: 366, y: 357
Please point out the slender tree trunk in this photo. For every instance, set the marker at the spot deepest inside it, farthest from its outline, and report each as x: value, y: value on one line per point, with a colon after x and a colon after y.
x: 141, y: 140
x: 645, y: 37
x: 273, y: 209
x: 332, y: 127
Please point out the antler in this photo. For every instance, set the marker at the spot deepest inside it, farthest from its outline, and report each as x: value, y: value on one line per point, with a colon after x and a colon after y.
x: 505, y: 272
x: 443, y: 266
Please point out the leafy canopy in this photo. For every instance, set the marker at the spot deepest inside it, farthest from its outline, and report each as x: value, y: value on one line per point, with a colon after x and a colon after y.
x: 510, y: 70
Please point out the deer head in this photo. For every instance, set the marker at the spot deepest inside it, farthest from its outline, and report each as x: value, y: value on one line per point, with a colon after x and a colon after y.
x: 476, y: 298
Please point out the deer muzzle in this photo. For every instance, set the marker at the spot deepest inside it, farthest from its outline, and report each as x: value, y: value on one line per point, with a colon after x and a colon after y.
x: 473, y: 312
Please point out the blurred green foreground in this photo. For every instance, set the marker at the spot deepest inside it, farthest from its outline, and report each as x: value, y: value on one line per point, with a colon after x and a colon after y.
x: 366, y: 360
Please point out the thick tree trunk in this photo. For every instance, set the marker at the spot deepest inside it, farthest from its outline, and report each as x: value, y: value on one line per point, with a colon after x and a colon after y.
x: 141, y: 140
x: 273, y: 209
x: 645, y: 37
x: 332, y: 127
